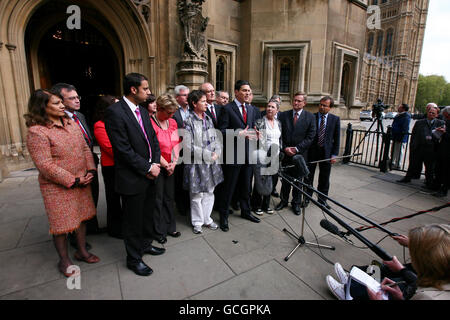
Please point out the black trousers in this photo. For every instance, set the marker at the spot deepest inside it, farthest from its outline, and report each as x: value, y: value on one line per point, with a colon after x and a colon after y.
x: 286, y: 187
x: 238, y: 177
x: 92, y: 224
x: 182, y: 200
x: 163, y: 214
x: 138, y: 222
x: 427, y: 157
x: 324, y: 172
x: 114, y: 214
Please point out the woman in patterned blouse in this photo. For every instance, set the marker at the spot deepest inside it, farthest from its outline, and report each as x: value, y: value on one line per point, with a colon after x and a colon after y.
x: 66, y: 167
x: 202, y: 173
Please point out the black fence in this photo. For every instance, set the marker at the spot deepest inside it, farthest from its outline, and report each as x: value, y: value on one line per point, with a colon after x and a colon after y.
x: 375, y: 148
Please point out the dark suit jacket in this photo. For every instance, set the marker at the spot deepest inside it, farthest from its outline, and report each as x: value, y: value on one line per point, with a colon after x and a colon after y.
x: 90, y: 143
x: 332, y: 135
x: 302, y: 135
x: 231, y: 118
x: 178, y: 118
x: 400, y: 127
x: 130, y: 148
x: 422, y: 139
x: 218, y: 111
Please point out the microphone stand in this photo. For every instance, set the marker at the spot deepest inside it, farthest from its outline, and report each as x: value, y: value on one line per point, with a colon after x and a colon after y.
x: 300, y: 239
x: 376, y: 249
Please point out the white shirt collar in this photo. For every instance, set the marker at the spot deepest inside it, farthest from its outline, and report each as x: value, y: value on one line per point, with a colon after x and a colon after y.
x: 132, y: 106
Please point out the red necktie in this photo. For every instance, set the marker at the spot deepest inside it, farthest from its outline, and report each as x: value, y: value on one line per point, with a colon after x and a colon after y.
x: 244, y: 114
x: 212, y: 112
x: 86, y: 137
x: 295, y: 118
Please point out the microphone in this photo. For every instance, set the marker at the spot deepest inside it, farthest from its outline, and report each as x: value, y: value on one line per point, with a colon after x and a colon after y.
x: 327, y: 225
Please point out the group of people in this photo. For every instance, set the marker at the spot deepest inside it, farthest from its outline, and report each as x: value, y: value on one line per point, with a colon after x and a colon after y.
x: 429, y: 146
x: 162, y: 153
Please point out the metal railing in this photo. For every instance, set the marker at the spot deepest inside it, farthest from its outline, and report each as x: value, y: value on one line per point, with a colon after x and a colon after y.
x: 376, y: 149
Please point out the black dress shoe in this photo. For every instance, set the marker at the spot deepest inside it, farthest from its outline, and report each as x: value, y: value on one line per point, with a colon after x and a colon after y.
x: 250, y: 217
x: 236, y: 206
x: 140, y: 268
x: 175, y: 234
x: 305, y: 203
x: 275, y: 194
x: 405, y: 180
x: 224, y: 224
x: 296, y: 209
x: 154, y: 251
x: 325, y: 204
x: 230, y: 211
x: 280, y: 206
x: 161, y: 239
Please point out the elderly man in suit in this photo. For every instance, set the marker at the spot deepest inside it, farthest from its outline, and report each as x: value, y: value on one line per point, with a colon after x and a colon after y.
x: 400, y: 129
x: 443, y: 156
x: 182, y: 199
x: 423, y: 148
x: 222, y: 98
x: 325, y: 146
x: 239, y: 115
x: 298, y: 132
x: 212, y: 109
x: 136, y: 157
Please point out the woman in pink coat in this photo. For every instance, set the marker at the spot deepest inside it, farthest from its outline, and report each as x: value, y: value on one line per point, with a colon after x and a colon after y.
x: 66, y: 168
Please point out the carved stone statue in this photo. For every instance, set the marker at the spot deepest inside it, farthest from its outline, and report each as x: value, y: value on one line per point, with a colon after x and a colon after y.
x: 194, y: 25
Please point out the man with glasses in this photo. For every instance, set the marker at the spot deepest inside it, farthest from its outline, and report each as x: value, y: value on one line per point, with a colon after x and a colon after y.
x: 71, y: 101
x: 298, y: 129
x: 182, y: 199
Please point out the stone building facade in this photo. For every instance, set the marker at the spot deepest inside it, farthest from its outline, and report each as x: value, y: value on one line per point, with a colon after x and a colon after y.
x: 280, y: 46
x: 390, y: 67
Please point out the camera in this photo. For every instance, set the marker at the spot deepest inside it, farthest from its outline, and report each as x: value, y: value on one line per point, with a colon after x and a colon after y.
x: 378, y: 108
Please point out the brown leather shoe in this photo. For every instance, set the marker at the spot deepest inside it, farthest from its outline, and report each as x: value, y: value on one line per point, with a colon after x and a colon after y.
x: 92, y: 258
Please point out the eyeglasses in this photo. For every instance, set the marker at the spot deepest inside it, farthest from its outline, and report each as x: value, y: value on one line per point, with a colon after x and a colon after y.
x: 74, y: 98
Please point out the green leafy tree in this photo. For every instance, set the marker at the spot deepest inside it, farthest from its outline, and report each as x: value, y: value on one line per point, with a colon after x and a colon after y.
x: 431, y: 89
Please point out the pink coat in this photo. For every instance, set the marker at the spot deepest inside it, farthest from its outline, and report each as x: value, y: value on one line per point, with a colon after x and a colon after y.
x: 61, y: 154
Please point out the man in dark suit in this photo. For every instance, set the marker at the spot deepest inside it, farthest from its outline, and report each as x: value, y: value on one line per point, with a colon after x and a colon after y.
x: 423, y: 148
x: 136, y: 158
x: 71, y: 101
x: 238, y: 115
x: 222, y: 98
x: 182, y: 199
x: 298, y: 132
x: 400, y: 129
x: 212, y: 109
x: 182, y: 113
x: 443, y: 156
x: 324, y: 146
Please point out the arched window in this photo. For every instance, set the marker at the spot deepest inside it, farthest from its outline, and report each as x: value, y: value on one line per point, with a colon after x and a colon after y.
x: 379, y: 43
x: 370, y: 43
x: 374, y: 2
x: 220, y: 74
x: 285, y: 76
x: 388, y: 48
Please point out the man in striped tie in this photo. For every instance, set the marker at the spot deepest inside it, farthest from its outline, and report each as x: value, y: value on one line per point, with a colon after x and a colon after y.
x: 325, y: 146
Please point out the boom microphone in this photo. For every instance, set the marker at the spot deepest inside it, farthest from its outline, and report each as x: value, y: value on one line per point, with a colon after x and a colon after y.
x: 327, y: 225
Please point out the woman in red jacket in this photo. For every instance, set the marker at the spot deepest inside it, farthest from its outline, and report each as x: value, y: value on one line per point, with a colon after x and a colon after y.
x: 113, y: 206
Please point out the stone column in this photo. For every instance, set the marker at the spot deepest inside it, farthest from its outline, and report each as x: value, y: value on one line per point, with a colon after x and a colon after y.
x: 192, y: 69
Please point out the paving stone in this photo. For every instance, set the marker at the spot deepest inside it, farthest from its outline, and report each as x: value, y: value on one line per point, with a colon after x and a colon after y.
x: 11, y: 232
x: 182, y: 271
x: 98, y: 284
x: 269, y: 281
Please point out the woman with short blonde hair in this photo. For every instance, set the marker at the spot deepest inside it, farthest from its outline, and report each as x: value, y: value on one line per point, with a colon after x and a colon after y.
x: 166, y: 131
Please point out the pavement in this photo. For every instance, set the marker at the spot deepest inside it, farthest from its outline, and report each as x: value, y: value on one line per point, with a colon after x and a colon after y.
x: 246, y: 263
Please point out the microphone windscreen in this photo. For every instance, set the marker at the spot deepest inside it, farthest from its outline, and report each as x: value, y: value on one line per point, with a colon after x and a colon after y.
x: 300, y: 166
x: 327, y: 225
